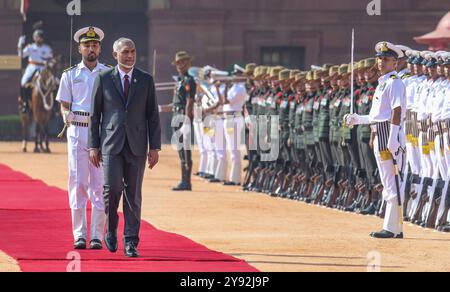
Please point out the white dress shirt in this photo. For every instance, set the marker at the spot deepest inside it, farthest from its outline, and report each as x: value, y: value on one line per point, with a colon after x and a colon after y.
x: 390, y: 94
x: 77, y: 85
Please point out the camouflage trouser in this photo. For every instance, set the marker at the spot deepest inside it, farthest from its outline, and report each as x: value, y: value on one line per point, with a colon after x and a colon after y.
x: 367, y: 158
x: 327, y: 158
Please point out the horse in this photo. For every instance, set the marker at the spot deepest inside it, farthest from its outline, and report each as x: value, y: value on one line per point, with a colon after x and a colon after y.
x: 26, y: 117
x: 42, y: 100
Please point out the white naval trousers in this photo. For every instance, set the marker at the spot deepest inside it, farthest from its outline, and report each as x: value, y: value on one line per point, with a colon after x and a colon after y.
x: 29, y: 71
x: 85, y: 183
x: 201, y: 141
x: 392, y: 218
x: 233, y: 128
x: 444, y: 163
x: 220, y: 149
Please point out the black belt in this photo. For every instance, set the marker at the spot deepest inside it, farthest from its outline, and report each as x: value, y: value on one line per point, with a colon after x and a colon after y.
x: 445, y: 125
x: 437, y: 128
x: 78, y: 124
x: 82, y: 114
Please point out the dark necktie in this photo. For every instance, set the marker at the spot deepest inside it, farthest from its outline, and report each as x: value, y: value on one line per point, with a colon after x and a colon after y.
x: 126, y: 87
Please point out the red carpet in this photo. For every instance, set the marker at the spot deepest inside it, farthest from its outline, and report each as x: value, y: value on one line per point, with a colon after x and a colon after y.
x: 35, y: 228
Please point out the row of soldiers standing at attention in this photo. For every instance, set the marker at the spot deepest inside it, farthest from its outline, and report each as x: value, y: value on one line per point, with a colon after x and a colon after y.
x: 321, y: 160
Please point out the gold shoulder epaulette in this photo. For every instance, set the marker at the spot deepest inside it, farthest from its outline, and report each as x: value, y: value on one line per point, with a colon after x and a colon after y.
x: 393, y: 76
x: 406, y: 76
x: 70, y: 68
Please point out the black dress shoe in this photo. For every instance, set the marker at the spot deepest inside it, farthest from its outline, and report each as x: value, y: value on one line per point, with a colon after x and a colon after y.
x: 230, y: 183
x: 384, y: 234
x: 131, y: 250
x: 214, y: 181
x: 80, y: 243
x: 111, y: 242
x: 182, y: 187
x: 95, y: 244
x: 371, y: 210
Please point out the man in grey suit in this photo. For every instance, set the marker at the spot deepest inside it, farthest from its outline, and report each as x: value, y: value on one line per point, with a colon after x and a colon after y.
x: 124, y: 132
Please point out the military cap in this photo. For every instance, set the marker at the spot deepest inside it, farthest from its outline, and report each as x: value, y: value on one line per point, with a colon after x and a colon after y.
x: 439, y: 57
x: 180, y: 56
x: 370, y: 63
x: 293, y: 73
x: 317, y: 74
x: 404, y: 49
x: 275, y: 71
x: 431, y: 59
x: 326, y: 67
x: 446, y: 59
x: 284, y: 75
x: 250, y: 68
x: 309, y: 76
x: 343, y: 69
x: 300, y: 76
x: 88, y: 34
x: 361, y: 65
x: 386, y: 49
x: 333, y: 70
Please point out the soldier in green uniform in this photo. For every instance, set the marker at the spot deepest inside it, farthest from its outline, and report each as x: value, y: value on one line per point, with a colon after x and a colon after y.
x: 297, y: 136
x: 285, y: 96
x: 273, y: 137
x: 312, y: 84
x: 323, y: 133
x: 349, y: 144
x: 364, y: 137
x: 336, y: 135
x: 183, y: 104
x: 288, y: 188
x: 259, y: 105
x: 266, y: 108
x: 317, y: 90
x: 250, y: 102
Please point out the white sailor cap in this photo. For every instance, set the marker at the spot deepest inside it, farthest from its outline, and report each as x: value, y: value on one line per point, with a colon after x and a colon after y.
x: 386, y: 49
x: 87, y: 34
x: 404, y: 49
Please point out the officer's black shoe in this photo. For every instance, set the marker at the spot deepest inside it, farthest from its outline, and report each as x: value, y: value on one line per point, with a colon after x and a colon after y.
x: 80, y: 243
x: 214, y: 181
x: 131, y: 250
x: 208, y: 176
x: 351, y: 208
x: 446, y: 228
x: 197, y: 174
x: 384, y: 234
x: 111, y: 242
x: 230, y: 183
x: 371, y: 210
x: 182, y: 187
x: 95, y: 244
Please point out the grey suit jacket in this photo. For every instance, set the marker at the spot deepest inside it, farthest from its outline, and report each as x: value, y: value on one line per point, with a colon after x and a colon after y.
x: 112, y: 119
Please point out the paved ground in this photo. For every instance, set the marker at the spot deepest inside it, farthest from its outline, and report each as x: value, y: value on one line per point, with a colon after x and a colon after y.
x: 271, y: 234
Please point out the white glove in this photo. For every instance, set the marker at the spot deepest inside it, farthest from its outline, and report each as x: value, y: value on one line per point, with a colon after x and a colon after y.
x: 393, y: 142
x: 355, y: 119
x: 68, y: 117
x: 22, y: 40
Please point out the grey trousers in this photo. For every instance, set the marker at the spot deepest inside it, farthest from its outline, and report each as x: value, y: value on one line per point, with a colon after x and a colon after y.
x: 124, y: 173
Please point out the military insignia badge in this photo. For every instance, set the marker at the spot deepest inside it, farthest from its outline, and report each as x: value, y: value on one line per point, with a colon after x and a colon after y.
x: 91, y: 33
x: 384, y: 47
